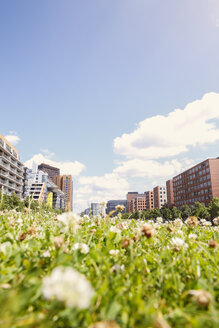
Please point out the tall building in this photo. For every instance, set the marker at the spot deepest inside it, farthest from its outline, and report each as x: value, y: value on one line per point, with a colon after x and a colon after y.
x: 130, y: 195
x: 111, y: 206
x: 159, y: 196
x: 65, y: 183
x: 170, y: 196
x: 200, y: 183
x: 51, y: 170
x: 96, y: 208
x: 138, y: 203
x: 149, y: 195
x: 11, y: 169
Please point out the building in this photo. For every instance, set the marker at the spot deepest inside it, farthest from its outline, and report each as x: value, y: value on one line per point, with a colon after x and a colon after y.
x: 111, y: 206
x: 170, y: 196
x: 130, y: 195
x: 159, y: 196
x: 11, y: 169
x: 96, y: 209
x: 138, y: 203
x: 65, y: 183
x: 51, y: 170
x: 200, y: 183
x: 149, y: 195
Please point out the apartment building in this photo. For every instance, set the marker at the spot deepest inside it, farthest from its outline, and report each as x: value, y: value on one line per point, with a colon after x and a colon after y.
x: 65, y: 183
x: 149, y: 195
x: 159, y: 196
x: 11, y: 169
x: 200, y: 183
x: 170, y: 195
x: 138, y: 203
x: 51, y: 170
x: 130, y: 195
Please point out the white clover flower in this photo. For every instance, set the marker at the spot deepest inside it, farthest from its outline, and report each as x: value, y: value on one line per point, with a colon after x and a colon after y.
x: 113, y: 252
x: 117, y: 268
x: 19, y: 220
x: 114, y: 229
x: 4, y: 246
x: 46, y: 254
x: 159, y: 219
x: 71, y: 220
x: 216, y: 221
x: 178, y: 243
x: 206, y: 223
x: 178, y: 223
x: 69, y: 286
x: 84, y: 249
x: 192, y: 236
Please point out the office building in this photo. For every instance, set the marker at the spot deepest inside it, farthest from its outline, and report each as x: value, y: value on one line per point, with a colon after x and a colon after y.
x: 159, y: 196
x: 111, y: 206
x: 170, y: 196
x: 200, y: 183
x: 11, y: 169
x: 65, y: 183
x: 51, y: 170
x: 96, y: 209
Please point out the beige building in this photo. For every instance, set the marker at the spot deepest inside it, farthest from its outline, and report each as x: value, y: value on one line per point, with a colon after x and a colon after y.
x: 149, y: 200
x: 160, y: 197
x: 11, y: 169
x: 65, y: 184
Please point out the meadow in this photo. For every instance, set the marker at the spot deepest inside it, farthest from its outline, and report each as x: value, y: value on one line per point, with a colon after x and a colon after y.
x: 106, y: 272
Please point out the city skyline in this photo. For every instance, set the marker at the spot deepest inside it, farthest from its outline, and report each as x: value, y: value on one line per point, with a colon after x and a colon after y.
x: 123, y: 100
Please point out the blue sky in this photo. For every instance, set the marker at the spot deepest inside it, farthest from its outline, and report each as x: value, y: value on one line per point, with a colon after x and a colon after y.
x: 77, y: 75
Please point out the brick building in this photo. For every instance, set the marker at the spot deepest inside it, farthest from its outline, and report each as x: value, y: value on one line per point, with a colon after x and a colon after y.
x: 65, y: 184
x: 197, y: 184
x: 159, y: 196
x: 170, y: 196
x: 130, y: 195
x: 149, y: 195
x: 138, y: 203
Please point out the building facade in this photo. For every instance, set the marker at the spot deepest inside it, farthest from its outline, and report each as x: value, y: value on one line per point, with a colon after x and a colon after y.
x: 111, y: 206
x: 138, y: 203
x: 11, y: 169
x: 96, y: 209
x: 51, y: 170
x: 200, y: 183
x: 149, y: 195
x: 130, y: 195
x: 159, y: 196
x: 65, y: 183
x: 170, y: 195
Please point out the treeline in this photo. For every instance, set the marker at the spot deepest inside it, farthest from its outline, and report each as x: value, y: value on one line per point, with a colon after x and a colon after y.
x: 13, y: 202
x: 198, y: 209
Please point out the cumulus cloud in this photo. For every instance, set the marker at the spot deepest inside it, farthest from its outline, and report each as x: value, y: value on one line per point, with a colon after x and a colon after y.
x: 13, y: 139
x: 73, y: 168
x: 165, y: 136
x: 151, y: 168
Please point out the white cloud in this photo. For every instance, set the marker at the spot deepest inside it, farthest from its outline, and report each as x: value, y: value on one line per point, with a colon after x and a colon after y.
x: 151, y: 168
x: 165, y: 136
x: 13, y: 139
x: 73, y: 168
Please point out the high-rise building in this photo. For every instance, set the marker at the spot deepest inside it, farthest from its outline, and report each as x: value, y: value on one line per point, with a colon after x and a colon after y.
x: 130, y: 195
x: 51, y: 170
x: 11, y: 169
x: 111, y: 206
x: 149, y: 200
x: 159, y: 196
x: 200, y: 183
x: 65, y: 183
x: 170, y: 196
x: 138, y: 203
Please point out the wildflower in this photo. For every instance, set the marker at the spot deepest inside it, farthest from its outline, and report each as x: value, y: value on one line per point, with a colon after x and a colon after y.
x: 104, y: 324
x: 178, y: 223
x: 19, y: 220
x: 84, y: 249
x: 192, y: 221
x: 4, y: 246
x: 22, y: 236
x: 113, y: 252
x: 159, y: 219
x: 216, y: 221
x: 147, y: 230
x: 46, y: 254
x: 206, y: 223
x: 58, y: 241
x: 69, y: 286
x: 192, y: 236
x: 71, y: 220
x: 114, y: 229
x: 160, y: 322
x: 5, y: 286
x: 212, y: 244
x: 135, y: 238
x: 93, y: 231
x: 117, y: 268
x: 202, y: 297
x: 120, y: 208
x: 125, y: 243
x: 177, y: 243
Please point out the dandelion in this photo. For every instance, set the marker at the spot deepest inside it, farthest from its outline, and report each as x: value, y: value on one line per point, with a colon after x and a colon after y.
x: 69, y: 286
x: 191, y: 221
x: 202, y: 297
x: 113, y: 252
x: 84, y: 249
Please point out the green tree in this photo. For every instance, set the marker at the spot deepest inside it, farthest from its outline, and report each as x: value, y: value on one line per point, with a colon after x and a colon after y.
x: 200, y: 211
x: 185, y: 211
x: 213, y: 208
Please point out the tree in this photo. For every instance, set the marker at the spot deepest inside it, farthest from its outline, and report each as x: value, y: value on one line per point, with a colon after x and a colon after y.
x: 175, y: 212
x: 213, y: 208
x: 200, y: 211
x: 166, y: 213
x: 185, y: 211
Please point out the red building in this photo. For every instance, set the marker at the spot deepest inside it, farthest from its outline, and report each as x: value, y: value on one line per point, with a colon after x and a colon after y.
x: 170, y: 196
x: 149, y: 200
